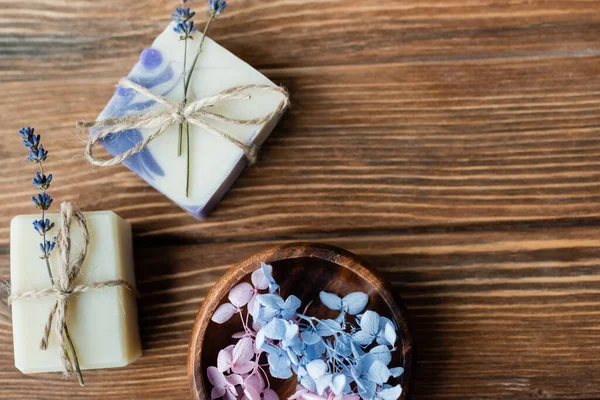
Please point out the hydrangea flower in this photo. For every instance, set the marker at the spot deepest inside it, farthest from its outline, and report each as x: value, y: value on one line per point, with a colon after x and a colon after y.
x: 333, y: 359
x: 371, y: 330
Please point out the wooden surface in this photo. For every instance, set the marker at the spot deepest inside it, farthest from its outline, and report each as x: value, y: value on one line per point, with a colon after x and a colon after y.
x: 301, y: 269
x: 454, y: 144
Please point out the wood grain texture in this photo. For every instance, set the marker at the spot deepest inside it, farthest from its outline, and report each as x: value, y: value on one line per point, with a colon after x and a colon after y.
x: 454, y: 143
x: 494, y: 315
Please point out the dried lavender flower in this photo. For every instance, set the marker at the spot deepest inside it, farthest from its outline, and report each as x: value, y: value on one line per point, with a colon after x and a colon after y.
x: 42, y: 226
x: 216, y: 7
x: 42, y: 181
x: 43, y: 201
x: 185, y: 29
x: 182, y: 14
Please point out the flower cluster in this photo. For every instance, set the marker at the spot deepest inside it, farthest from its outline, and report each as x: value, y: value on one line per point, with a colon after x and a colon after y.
x: 43, y: 201
x: 344, y: 358
x: 216, y: 7
x: 184, y: 25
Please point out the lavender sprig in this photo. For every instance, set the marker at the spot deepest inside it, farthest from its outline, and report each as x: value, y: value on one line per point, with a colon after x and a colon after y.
x: 184, y: 25
x: 43, y: 226
x: 216, y: 6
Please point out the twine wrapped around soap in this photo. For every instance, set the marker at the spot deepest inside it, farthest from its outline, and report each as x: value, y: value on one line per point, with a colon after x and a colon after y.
x: 63, y: 287
x: 196, y: 113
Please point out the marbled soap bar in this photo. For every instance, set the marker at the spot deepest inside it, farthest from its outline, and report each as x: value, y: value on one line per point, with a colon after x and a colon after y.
x: 215, y: 162
x: 102, y: 323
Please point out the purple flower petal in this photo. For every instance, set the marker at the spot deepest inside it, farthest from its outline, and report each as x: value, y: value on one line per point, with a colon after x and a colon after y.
x: 217, y: 392
x: 241, y: 294
x: 256, y: 381
x: 270, y: 394
x: 223, y: 313
x: 251, y: 393
x: 242, y: 353
x: 216, y: 378
x: 224, y: 359
x: 259, y: 280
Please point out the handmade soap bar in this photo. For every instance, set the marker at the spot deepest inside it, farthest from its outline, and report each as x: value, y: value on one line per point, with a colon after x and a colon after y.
x: 102, y: 323
x: 214, y: 161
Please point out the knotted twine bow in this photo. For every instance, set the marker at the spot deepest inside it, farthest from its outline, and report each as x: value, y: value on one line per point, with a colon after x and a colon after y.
x: 63, y: 288
x: 196, y: 113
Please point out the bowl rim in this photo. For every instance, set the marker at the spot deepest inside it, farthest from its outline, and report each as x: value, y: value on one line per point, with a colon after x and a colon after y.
x: 334, y: 254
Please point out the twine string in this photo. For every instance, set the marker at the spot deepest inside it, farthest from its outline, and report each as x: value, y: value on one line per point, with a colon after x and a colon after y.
x: 68, y: 268
x: 196, y: 113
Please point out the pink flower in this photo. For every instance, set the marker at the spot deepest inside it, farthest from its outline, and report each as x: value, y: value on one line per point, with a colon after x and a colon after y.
x: 237, y: 358
x: 260, y: 282
x: 269, y: 394
x: 254, y: 386
x: 240, y: 295
x: 304, y: 394
x: 223, y: 386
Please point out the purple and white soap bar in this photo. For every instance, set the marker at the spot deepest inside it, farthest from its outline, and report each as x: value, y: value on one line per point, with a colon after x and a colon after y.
x: 215, y: 162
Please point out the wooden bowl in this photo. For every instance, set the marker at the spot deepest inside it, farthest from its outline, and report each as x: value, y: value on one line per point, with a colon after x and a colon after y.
x: 302, y: 269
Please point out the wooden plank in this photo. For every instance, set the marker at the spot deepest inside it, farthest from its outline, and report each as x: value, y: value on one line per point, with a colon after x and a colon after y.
x: 505, y: 314
x: 79, y: 38
x: 453, y: 143
x: 364, y: 149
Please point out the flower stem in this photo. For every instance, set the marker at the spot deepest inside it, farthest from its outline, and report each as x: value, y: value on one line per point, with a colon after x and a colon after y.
x: 180, y: 137
x: 187, y: 175
x: 186, y: 84
x: 189, y: 75
x: 74, y: 355
x: 66, y: 330
x: 179, y: 140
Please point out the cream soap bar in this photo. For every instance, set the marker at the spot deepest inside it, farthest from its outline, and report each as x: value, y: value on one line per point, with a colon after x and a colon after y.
x: 102, y: 323
x: 215, y: 162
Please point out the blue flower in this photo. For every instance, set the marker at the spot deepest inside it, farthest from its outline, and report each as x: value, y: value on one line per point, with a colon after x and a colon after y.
x: 352, y: 304
x: 43, y: 225
x: 30, y: 139
x: 275, y: 306
x: 327, y: 327
x: 216, y: 7
x: 47, y: 248
x: 279, y: 362
x: 185, y: 29
x: 342, y: 345
x: 26, y: 132
x: 268, y: 271
x: 323, y: 379
x: 389, y: 392
x: 37, y: 155
x: 360, y: 375
x: 182, y: 14
x: 43, y: 201
x: 371, y: 329
x: 42, y: 181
